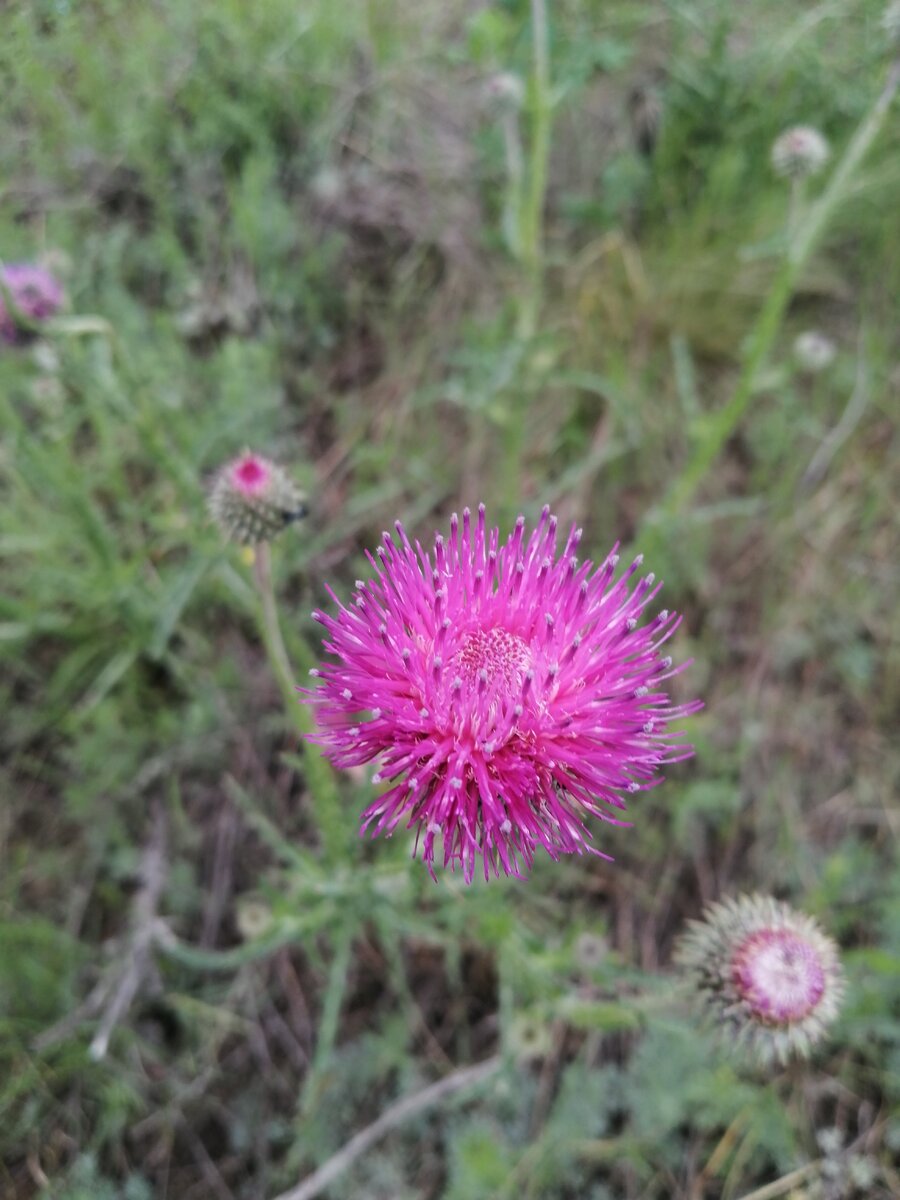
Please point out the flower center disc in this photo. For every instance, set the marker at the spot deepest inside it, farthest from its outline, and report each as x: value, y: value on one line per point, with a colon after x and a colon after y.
x: 504, y: 656
x: 779, y: 975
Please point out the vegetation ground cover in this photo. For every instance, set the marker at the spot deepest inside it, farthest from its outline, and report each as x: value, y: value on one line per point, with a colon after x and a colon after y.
x: 305, y: 228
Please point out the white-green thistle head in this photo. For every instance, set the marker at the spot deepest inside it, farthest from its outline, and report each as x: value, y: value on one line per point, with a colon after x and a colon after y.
x: 800, y: 152
x: 764, y: 973
x: 814, y: 351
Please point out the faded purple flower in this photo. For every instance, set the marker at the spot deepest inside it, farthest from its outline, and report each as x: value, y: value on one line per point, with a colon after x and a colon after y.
x: 508, y: 693
x: 767, y: 973
x: 26, y: 291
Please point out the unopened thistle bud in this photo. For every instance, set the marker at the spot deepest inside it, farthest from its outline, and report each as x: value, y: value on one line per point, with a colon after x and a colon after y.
x: 506, y: 91
x: 799, y: 152
x: 529, y: 1039
x: 813, y: 351
x: 253, y: 918
x: 765, y: 973
x: 252, y: 500
x: 29, y: 294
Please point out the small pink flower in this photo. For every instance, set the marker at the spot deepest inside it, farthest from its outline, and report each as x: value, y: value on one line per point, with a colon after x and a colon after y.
x: 765, y: 972
x: 35, y: 295
x: 508, y: 692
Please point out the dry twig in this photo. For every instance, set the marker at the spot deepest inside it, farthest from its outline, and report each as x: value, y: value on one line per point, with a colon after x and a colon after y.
x: 139, y: 953
x: 403, y: 1110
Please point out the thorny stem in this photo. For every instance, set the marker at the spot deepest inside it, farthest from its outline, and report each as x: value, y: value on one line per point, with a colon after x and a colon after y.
x: 319, y: 777
x: 805, y: 237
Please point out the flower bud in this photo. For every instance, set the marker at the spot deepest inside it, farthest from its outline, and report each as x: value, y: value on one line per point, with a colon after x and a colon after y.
x: 506, y: 91
x: 252, y: 500
x: 254, y: 918
x: 813, y: 351
x: 765, y: 973
x: 29, y: 294
x: 529, y: 1039
x: 799, y: 152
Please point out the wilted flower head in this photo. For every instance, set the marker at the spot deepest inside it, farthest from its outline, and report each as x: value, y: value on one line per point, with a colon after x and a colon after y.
x: 767, y: 973
x: 508, y: 693
x: 252, y: 499
x: 814, y: 351
x: 799, y: 152
x: 28, y: 294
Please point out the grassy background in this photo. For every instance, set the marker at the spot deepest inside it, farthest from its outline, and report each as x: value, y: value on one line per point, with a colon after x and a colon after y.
x: 292, y: 227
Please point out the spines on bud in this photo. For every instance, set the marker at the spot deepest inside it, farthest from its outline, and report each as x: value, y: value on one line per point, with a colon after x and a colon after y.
x: 253, y: 499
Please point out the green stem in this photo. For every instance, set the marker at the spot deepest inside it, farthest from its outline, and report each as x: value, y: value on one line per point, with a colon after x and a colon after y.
x: 723, y: 423
x: 320, y: 779
x: 539, y: 154
x: 531, y: 243
x: 331, y: 1011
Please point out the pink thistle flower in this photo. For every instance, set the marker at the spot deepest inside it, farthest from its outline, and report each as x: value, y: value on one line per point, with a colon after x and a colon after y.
x: 253, y: 499
x: 26, y: 291
x: 508, y: 692
x: 765, y: 972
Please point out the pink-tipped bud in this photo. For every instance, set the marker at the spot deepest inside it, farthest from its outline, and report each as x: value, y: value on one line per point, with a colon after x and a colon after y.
x: 764, y: 972
x: 799, y: 152
x: 29, y: 295
x: 252, y: 499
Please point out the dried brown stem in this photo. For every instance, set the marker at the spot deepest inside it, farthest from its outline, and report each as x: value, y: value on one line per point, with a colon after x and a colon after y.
x: 403, y: 1110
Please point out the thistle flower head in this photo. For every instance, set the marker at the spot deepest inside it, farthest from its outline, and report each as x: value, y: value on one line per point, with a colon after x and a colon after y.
x: 28, y: 294
x: 799, y: 152
x: 509, y: 692
x: 813, y: 351
x: 765, y: 972
x: 252, y: 499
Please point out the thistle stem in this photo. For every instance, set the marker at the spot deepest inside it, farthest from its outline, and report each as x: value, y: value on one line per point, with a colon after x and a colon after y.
x: 531, y: 241
x: 805, y: 237
x: 331, y: 1011
x: 539, y: 154
x: 319, y: 776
